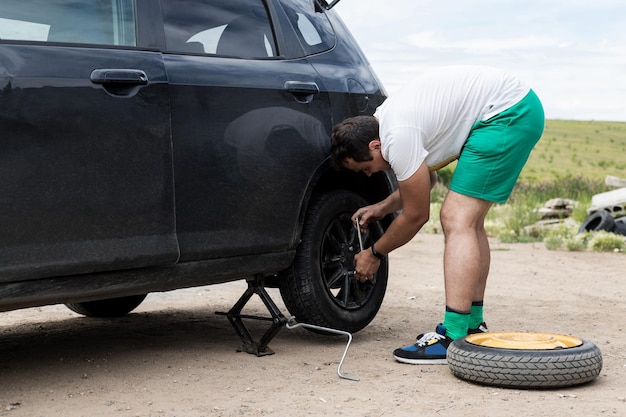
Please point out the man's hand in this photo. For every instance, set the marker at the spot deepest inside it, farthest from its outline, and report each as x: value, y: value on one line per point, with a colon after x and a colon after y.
x: 375, y: 212
x: 366, y: 215
x: 365, y: 265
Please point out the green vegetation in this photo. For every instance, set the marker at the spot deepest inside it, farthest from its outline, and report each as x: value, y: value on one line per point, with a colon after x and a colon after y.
x: 566, y: 238
x: 570, y: 148
x: 570, y: 161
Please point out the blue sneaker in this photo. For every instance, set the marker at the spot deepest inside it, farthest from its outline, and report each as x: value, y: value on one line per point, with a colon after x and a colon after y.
x: 429, y: 349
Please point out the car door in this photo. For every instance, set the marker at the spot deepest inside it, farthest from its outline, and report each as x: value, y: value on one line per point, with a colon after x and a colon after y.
x: 86, y: 178
x: 250, y: 127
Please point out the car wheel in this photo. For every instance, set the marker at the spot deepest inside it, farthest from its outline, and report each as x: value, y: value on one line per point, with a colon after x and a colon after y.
x: 319, y: 288
x: 599, y: 220
x: 524, y: 360
x: 110, y: 307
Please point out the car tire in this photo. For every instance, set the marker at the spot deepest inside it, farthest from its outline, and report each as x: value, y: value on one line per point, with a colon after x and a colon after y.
x: 599, y: 220
x: 110, y: 307
x: 620, y: 226
x: 531, y: 363
x: 319, y: 287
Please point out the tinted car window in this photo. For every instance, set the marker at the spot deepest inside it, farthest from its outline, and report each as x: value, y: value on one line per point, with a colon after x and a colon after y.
x: 237, y: 28
x: 106, y: 22
x: 311, y: 25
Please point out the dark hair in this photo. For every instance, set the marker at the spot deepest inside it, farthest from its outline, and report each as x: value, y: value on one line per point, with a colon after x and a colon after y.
x: 351, y: 138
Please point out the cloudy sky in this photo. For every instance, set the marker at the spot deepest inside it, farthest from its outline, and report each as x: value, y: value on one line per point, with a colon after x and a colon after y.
x: 572, y: 52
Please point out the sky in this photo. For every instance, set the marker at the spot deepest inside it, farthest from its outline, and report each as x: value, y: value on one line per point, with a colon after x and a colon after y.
x: 571, y: 52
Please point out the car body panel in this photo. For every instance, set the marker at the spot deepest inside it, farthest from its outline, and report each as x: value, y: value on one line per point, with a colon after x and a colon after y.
x: 235, y: 136
x: 159, y: 165
x: 86, y: 176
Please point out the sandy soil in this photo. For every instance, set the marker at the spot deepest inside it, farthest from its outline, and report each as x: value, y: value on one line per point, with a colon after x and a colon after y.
x: 175, y: 357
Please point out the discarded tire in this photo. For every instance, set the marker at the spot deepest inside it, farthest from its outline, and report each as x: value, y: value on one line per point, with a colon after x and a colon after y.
x: 620, y: 226
x: 524, y: 360
x: 599, y: 220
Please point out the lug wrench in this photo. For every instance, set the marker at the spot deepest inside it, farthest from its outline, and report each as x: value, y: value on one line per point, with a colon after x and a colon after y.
x: 329, y: 330
x: 290, y: 325
x: 360, y: 236
x: 358, y: 231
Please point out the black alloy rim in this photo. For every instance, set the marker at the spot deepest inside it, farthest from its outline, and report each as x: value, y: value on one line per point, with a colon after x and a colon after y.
x: 339, y: 245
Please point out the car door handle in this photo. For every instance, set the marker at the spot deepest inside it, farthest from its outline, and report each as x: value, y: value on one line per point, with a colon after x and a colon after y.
x: 303, y: 91
x: 119, y: 76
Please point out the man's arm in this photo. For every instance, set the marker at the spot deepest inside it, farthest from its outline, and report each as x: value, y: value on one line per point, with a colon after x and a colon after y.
x: 433, y: 179
x: 415, y: 203
x: 413, y: 197
x: 392, y: 203
x: 375, y: 212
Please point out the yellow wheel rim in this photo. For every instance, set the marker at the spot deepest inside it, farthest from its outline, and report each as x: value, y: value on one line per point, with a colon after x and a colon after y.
x: 524, y: 340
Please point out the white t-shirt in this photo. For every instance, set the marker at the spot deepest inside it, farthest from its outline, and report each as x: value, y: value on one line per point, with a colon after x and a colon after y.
x: 431, y: 118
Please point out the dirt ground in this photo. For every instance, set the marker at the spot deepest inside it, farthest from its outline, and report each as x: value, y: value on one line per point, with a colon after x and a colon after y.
x: 173, y: 357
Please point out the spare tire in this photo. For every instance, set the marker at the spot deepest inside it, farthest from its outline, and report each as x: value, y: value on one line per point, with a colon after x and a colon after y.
x: 524, y: 360
x: 599, y: 220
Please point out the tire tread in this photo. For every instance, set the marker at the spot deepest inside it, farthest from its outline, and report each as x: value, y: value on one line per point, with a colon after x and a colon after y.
x: 525, y: 368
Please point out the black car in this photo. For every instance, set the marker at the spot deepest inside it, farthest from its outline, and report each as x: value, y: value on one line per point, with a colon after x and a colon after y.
x: 153, y: 145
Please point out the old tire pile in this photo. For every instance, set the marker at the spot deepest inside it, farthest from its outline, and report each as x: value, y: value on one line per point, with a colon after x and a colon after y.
x: 603, y: 220
x: 524, y: 360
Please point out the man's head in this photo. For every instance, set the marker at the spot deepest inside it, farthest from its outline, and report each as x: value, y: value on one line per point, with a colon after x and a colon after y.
x: 355, y: 145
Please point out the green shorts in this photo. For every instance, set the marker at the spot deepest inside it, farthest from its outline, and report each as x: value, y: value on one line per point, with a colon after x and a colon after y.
x: 497, y: 149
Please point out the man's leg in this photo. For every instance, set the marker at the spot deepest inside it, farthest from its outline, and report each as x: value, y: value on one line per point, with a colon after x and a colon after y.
x: 466, y: 258
x: 466, y: 266
x: 488, y: 167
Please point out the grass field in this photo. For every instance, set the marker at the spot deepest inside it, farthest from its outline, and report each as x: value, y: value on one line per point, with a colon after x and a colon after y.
x: 570, y: 148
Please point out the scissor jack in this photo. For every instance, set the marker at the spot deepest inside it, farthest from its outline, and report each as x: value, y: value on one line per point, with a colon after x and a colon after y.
x: 256, y: 286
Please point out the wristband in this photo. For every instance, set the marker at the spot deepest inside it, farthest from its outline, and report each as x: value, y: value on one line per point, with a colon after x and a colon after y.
x: 376, y: 253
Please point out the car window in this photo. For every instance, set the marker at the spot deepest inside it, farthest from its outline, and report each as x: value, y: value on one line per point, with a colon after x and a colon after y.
x: 311, y: 25
x: 103, y: 22
x: 235, y: 28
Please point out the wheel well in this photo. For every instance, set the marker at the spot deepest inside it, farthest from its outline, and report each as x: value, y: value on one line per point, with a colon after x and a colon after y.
x: 373, y: 189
